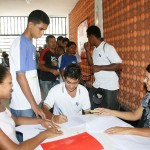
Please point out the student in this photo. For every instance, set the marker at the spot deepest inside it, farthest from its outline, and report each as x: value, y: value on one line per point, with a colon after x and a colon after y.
x: 142, y: 113
x: 8, y: 140
x: 26, y: 95
x: 104, y: 62
x: 48, y: 65
x: 67, y: 58
x: 59, y: 40
x: 68, y: 98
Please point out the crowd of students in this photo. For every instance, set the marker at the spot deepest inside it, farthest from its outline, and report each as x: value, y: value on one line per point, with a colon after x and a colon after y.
x: 21, y: 84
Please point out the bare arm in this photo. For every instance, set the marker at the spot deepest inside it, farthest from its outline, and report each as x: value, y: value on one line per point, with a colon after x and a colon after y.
x: 111, y: 67
x: 22, y: 80
x: 31, y: 144
x: 131, y: 116
x: 62, y: 73
x: 88, y: 55
x: 129, y: 131
x: 42, y: 67
x: 28, y: 121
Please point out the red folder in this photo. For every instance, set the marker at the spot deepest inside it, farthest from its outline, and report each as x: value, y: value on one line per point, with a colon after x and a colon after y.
x: 83, y: 141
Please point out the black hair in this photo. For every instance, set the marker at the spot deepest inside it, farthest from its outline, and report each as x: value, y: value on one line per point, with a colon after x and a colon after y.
x: 5, y: 56
x: 3, y: 72
x: 71, y: 43
x: 61, y: 47
x: 38, y: 16
x: 148, y: 68
x: 94, y: 30
x: 49, y: 37
x: 60, y: 38
x: 65, y: 40
x: 73, y: 71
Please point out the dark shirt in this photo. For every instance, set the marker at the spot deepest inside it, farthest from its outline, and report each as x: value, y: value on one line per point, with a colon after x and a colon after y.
x: 51, y: 61
x: 145, y: 119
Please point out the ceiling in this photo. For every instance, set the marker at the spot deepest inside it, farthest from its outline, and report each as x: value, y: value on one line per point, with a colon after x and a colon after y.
x: 51, y: 7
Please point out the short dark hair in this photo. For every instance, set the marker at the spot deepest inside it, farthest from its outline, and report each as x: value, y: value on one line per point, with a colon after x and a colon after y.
x: 3, y: 72
x: 94, y: 30
x: 71, y: 43
x: 60, y: 38
x: 148, y: 68
x: 49, y: 37
x: 38, y: 16
x: 65, y: 40
x: 73, y: 71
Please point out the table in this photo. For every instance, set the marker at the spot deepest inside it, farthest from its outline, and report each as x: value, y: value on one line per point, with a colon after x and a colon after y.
x: 95, y: 125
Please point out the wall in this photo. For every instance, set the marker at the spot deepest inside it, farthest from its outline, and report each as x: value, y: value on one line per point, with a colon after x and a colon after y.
x: 127, y: 28
x: 84, y: 9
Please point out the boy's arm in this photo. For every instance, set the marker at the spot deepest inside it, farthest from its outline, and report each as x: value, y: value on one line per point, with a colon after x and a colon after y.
x: 22, y: 81
x: 42, y: 67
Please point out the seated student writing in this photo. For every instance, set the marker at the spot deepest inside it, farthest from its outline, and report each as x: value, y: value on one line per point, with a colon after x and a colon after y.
x: 142, y: 113
x: 8, y: 140
x: 68, y: 98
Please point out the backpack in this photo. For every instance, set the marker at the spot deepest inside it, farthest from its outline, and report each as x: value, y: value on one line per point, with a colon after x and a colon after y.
x: 118, y: 72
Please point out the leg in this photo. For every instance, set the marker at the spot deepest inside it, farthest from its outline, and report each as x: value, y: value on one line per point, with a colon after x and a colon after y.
x: 91, y: 93
x: 44, y: 88
x: 110, y: 99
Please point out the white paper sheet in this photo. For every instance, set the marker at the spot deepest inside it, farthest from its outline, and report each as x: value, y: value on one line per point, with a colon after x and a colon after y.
x: 74, y: 121
x: 130, y: 142
x: 100, y: 124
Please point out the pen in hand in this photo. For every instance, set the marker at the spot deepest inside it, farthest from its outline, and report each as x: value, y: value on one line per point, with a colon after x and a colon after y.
x: 60, y: 111
x: 62, y: 117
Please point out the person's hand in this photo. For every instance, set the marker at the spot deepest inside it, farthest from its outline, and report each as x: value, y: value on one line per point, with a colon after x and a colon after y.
x: 48, y: 123
x: 55, y: 72
x: 52, y: 132
x: 38, y: 111
x: 95, y: 68
x: 87, y: 46
x: 119, y: 130
x: 59, y: 119
x: 104, y: 111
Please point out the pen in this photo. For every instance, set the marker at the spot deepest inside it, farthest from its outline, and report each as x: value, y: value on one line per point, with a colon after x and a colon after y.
x: 40, y: 129
x: 60, y: 111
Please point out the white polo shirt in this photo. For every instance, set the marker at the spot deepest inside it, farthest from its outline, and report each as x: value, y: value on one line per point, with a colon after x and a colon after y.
x: 7, y: 125
x: 106, y: 79
x: 60, y: 99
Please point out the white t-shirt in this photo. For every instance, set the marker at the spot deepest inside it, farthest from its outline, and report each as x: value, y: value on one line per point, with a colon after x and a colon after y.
x: 7, y: 125
x: 106, y: 79
x: 23, y: 59
x: 60, y: 99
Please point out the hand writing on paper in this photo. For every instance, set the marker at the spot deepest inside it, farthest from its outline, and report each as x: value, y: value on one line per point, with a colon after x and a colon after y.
x: 119, y: 130
x: 60, y: 119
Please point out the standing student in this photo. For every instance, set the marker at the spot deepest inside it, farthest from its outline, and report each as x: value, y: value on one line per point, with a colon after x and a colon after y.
x: 67, y: 58
x: 26, y: 95
x: 104, y: 62
x: 48, y: 65
x: 8, y: 140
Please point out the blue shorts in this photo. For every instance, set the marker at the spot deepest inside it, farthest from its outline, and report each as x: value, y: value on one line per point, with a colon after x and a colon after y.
x: 23, y: 113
